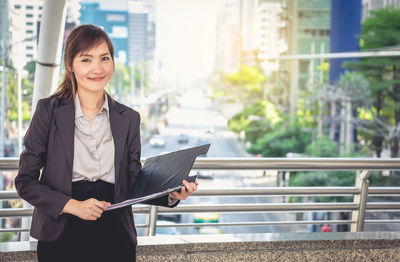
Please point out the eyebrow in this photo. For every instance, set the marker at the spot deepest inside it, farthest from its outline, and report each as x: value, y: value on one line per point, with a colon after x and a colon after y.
x: 92, y: 56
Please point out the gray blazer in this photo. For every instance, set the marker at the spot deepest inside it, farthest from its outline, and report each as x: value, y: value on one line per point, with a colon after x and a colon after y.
x: 49, y: 144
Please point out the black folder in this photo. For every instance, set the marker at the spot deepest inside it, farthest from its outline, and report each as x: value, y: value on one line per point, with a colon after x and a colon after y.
x: 163, y: 174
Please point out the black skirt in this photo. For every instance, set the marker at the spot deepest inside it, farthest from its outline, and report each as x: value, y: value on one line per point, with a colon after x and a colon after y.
x: 102, y: 240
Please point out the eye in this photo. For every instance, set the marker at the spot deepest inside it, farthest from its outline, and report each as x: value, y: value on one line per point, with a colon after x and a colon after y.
x: 106, y: 58
x: 85, y: 60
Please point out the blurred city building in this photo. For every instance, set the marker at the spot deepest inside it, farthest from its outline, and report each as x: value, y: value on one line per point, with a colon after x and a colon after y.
x: 141, y: 31
x: 4, y: 24
x: 114, y: 22
x: 24, y: 23
x: 248, y: 31
x: 270, y: 41
x: 227, y: 38
x: 369, y: 5
x: 314, y: 24
x: 132, y: 30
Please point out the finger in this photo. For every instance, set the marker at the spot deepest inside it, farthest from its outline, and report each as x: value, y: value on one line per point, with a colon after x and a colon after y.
x: 105, y: 204
x: 190, y: 187
x: 96, y: 213
x: 185, y: 183
x: 183, y: 190
x: 194, y: 187
x: 101, y: 204
x: 89, y: 217
x: 96, y: 209
x: 92, y: 218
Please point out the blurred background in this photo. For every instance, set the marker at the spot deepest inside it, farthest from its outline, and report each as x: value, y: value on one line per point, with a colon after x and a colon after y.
x: 255, y: 78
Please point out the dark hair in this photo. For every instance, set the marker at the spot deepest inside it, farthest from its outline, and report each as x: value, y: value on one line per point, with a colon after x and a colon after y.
x: 81, y: 39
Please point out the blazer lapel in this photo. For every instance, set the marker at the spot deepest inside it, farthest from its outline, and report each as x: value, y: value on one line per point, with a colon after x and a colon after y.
x: 65, y: 121
x: 119, y: 129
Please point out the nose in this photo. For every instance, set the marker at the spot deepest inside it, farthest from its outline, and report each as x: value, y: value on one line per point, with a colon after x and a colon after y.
x: 97, y: 68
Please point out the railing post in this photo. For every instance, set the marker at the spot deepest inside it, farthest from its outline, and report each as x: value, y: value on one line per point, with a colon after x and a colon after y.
x: 360, y: 199
x: 153, y: 220
x: 147, y: 222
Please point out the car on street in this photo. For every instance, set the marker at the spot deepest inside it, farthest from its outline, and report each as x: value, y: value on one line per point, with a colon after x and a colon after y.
x: 206, y: 217
x: 210, y: 130
x: 170, y: 230
x: 209, y: 230
x: 176, y: 218
x: 183, y: 138
x: 205, y: 174
x: 157, y: 141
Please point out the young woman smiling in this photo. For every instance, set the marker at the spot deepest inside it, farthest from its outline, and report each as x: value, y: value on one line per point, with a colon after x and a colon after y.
x: 82, y: 153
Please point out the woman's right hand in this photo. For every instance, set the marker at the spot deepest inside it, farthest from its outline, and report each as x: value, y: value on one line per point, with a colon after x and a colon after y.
x: 90, y: 209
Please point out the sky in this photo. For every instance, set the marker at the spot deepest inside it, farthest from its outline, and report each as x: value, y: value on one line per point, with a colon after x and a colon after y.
x: 111, y: 5
x: 185, y: 35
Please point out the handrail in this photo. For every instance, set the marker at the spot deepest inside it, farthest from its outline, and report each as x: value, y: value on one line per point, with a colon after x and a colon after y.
x: 290, y: 164
x: 276, y: 163
x: 261, y: 207
x: 273, y: 191
x: 284, y: 191
x: 358, y: 207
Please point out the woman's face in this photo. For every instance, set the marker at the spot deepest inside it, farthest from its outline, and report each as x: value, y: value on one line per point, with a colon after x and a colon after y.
x: 93, y: 68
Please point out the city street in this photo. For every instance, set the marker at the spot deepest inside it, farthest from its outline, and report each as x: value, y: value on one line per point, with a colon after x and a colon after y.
x: 196, y: 119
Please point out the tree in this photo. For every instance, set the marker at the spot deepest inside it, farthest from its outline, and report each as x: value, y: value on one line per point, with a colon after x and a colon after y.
x: 244, y: 85
x: 323, y: 147
x: 382, y: 29
x: 12, y: 98
x: 287, y: 137
x: 31, y: 68
x: 353, y: 92
x: 255, y: 120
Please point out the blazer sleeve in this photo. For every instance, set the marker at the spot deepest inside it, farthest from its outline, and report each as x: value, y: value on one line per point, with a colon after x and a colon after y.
x: 134, y: 151
x: 32, y: 159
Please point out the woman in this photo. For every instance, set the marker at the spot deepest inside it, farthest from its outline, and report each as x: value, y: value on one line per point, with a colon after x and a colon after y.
x: 89, y: 148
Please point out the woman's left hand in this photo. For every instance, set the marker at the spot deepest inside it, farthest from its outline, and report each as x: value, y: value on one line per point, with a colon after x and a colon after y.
x: 186, y: 191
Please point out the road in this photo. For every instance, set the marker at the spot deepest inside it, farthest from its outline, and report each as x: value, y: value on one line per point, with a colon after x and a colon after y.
x: 196, y: 118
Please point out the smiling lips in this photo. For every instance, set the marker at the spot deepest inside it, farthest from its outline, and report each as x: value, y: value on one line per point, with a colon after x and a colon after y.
x: 96, y: 78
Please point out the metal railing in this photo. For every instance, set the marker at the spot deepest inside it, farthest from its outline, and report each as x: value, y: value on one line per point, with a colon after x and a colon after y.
x: 358, y: 207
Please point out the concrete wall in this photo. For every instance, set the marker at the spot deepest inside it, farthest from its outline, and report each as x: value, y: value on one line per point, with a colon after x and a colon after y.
x: 369, y: 246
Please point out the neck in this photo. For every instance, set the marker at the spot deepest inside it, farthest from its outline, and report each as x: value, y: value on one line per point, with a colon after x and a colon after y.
x: 91, y: 101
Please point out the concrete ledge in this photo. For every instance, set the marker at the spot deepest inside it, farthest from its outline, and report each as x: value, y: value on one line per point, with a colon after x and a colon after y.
x: 368, y: 246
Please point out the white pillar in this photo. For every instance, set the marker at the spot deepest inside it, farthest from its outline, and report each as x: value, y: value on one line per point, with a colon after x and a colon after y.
x: 332, y: 127
x: 320, y: 108
x: 19, y: 80
x: 48, y: 62
x: 342, y: 125
x: 49, y: 50
x: 349, y: 125
x: 294, y: 64
x: 321, y: 62
x: 132, y: 66
x: 311, y: 66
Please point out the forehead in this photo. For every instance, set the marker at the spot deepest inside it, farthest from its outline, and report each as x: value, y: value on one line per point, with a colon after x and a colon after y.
x: 98, y: 49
